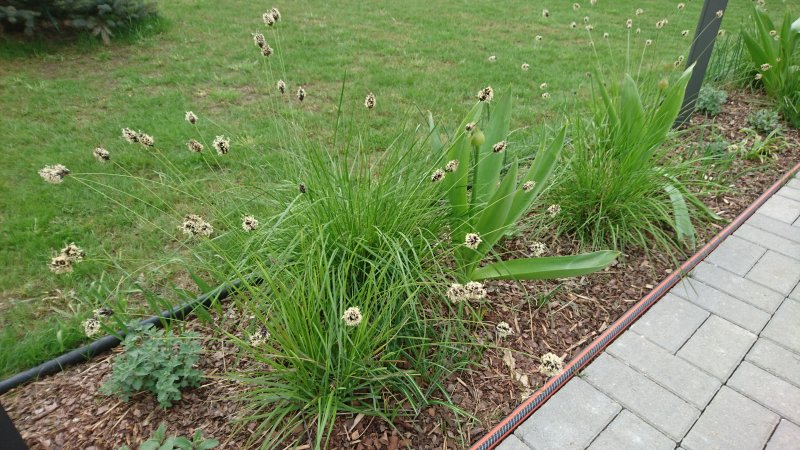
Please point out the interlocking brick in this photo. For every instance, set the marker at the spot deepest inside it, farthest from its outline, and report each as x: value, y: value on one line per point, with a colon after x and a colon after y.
x: 781, y: 208
x: 512, y: 443
x: 794, y: 182
x: 775, y: 226
x: 736, y: 286
x: 681, y: 378
x: 642, y: 396
x: 785, y: 437
x: 629, y: 431
x: 732, y: 309
x: 570, y: 419
x: 790, y: 192
x: 717, y: 347
x: 769, y: 240
x: 736, y: 255
x: 785, y: 326
x: 777, y: 271
x: 670, y: 322
x: 731, y: 421
x: 776, y: 360
x: 767, y: 389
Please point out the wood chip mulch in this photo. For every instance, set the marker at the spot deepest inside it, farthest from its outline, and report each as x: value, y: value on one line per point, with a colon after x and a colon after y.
x: 65, y: 411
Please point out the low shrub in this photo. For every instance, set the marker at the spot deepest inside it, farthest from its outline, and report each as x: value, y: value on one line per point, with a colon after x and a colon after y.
x: 764, y: 121
x: 160, y: 441
x: 98, y: 17
x: 155, y: 361
x: 710, y: 100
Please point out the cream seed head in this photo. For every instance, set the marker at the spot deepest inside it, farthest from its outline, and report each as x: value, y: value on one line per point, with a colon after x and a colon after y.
x: 545, y: 95
x: 194, y: 146
x: 525, y: 66
x: 281, y: 85
x: 660, y: 24
x: 352, y: 316
x: 268, y: 18
x: 576, y: 6
x: 475, y: 291
x: 528, y: 186
x: 573, y: 25
x: 589, y: 28
x: 759, y: 76
x: 190, y: 117
x: 301, y: 94
x: 53, y: 174
x: 266, y: 51
x: 685, y: 33
x: 553, y: 210
x: 91, y: 326
x: 551, y: 365
x: 259, y: 40
x: 249, y: 223
x: 765, y: 67
x: 194, y: 225
x: 60, y: 264
x: 222, y: 145
x: 721, y: 33
x: 638, y: 31
x: 275, y: 14
x: 486, y: 94
x: 648, y: 43
x: 543, y: 86
x: 585, y: 19
x: 545, y: 13
x: 451, y: 166
x: 456, y: 293
x: 101, y: 154
x: 681, y: 6
x: 639, y: 11
x: 605, y: 35
x: 369, y: 102
x: 499, y: 147
x: 629, y: 24
x: 130, y: 135
x: 145, y: 139
x: 492, y: 58
x: 504, y: 330
x: 537, y: 249
x: 437, y: 176
x: 259, y: 337
x: 539, y: 38
x: 469, y: 127
x: 719, y: 14
x: 73, y: 252
x: 592, y: 2
x: 472, y: 240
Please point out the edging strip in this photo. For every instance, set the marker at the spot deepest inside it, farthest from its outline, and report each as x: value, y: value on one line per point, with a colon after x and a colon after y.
x: 106, y: 343
x: 529, y: 406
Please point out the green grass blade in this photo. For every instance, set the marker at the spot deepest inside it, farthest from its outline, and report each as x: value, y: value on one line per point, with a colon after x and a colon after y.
x: 490, y: 163
x: 546, y: 268
x: 683, y: 222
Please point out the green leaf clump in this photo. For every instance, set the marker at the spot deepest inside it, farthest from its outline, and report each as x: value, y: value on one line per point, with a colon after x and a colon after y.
x: 155, y: 361
x: 160, y: 441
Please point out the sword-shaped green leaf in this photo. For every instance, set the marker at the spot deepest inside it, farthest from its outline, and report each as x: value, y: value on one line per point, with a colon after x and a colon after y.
x: 490, y: 163
x: 546, y: 268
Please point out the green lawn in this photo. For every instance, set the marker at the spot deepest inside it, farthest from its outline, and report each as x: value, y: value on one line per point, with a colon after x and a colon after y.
x: 61, y: 101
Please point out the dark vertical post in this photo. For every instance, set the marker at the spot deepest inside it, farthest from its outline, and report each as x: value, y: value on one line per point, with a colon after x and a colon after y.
x: 700, y: 55
x: 9, y: 436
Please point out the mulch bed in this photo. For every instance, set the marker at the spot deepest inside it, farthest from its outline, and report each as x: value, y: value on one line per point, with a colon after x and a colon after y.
x: 65, y: 411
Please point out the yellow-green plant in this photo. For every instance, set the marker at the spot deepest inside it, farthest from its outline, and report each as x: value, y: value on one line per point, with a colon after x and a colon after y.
x: 774, y: 54
x: 485, y: 203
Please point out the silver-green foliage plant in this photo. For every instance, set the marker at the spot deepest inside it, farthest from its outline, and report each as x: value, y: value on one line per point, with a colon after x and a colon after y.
x: 775, y: 56
x: 155, y: 361
x: 764, y: 121
x: 623, y: 186
x: 710, y: 100
x: 160, y: 441
x: 486, y: 203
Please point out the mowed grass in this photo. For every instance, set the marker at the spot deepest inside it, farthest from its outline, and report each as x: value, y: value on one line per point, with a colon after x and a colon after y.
x: 61, y: 100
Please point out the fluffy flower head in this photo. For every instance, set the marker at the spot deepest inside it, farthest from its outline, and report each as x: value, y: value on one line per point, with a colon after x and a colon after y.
x: 352, y: 316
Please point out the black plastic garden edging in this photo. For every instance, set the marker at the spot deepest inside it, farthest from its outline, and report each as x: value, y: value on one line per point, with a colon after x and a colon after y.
x: 496, y: 435
x: 106, y: 343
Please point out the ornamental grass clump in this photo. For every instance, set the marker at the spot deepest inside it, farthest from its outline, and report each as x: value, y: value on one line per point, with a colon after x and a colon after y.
x: 775, y: 58
x: 624, y: 187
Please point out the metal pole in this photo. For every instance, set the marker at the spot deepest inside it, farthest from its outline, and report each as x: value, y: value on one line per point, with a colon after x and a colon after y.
x: 700, y: 55
x: 9, y: 436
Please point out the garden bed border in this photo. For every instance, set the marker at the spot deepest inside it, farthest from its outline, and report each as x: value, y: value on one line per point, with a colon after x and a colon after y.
x: 506, y: 426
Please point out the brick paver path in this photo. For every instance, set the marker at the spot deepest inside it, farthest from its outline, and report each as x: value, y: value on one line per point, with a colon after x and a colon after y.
x: 715, y: 364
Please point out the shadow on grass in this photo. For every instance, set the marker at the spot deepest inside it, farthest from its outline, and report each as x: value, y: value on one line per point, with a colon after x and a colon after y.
x: 46, y: 42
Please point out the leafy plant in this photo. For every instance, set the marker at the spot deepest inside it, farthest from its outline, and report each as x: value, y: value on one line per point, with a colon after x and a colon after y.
x: 485, y: 203
x: 156, y: 361
x: 773, y: 51
x: 762, y: 148
x: 710, y: 100
x: 764, y: 121
x: 160, y: 441
x: 623, y: 187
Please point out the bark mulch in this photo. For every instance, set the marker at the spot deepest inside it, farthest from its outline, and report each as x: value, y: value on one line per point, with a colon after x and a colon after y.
x: 65, y: 411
